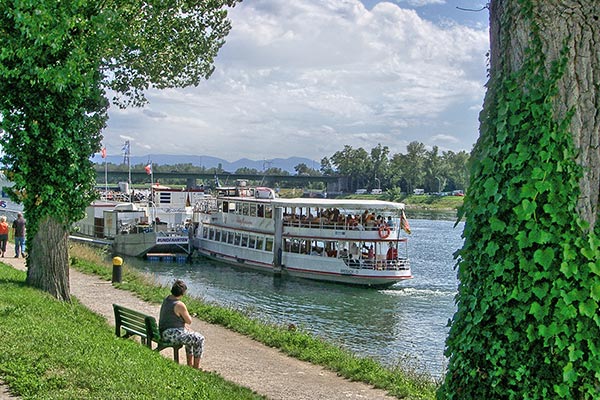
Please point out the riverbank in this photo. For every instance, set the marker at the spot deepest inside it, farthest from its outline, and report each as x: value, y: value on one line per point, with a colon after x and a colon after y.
x: 236, y: 357
x: 431, y: 202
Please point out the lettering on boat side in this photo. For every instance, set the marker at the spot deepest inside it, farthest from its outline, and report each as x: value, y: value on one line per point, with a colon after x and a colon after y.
x: 172, y: 240
x: 346, y: 272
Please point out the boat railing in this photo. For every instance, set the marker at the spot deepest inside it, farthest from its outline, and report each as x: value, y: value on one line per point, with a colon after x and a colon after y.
x: 322, y: 223
x: 399, y: 264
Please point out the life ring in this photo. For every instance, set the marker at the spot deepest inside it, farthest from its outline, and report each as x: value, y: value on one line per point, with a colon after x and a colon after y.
x: 384, y: 231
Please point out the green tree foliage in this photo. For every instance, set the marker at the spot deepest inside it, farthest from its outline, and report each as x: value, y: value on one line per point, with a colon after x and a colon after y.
x: 527, y: 324
x: 418, y: 168
x: 57, y: 60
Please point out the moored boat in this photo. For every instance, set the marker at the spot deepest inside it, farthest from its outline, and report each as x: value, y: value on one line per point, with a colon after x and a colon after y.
x: 358, y: 242
x: 159, y: 223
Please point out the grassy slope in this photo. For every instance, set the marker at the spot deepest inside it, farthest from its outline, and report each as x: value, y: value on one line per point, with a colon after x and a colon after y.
x: 55, y: 350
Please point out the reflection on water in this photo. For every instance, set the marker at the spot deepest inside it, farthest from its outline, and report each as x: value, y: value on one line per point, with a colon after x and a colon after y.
x: 407, y: 320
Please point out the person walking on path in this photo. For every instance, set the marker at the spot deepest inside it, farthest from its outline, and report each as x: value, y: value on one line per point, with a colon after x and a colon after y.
x: 3, y: 234
x: 174, y: 321
x: 19, y: 228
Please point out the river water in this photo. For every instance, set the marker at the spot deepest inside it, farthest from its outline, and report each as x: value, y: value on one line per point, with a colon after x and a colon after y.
x: 405, y: 324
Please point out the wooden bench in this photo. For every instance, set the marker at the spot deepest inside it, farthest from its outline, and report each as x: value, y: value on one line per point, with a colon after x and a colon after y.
x: 133, y: 322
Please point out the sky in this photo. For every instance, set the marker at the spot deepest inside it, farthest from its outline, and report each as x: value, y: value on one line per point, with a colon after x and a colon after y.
x: 307, y: 77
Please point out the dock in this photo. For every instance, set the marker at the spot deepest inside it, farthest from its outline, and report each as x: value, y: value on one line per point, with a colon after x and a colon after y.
x: 167, y: 257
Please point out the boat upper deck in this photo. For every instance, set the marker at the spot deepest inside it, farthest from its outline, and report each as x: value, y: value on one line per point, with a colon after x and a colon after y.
x: 345, y: 204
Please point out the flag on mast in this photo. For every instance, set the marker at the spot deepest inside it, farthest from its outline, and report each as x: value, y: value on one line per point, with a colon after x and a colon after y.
x: 103, y: 152
x: 404, y: 223
x: 148, y: 169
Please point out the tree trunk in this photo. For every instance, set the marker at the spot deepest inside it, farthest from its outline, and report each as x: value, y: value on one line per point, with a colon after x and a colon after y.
x: 48, y: 259
x: 576, y: 25
x: 526, y: 324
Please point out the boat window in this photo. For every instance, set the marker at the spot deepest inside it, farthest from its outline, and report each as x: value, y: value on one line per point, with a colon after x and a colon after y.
x: 230, y: 237
x: 212, y: 234
x: 205, y: 232
x: 269, y: 244
x: 253, y: 210
x: 331, y: 249
x: 224, y: 236
x: 295, y: 246
x: 259, y: 242
x: 224, y: 207
x: 218, y: 235
x: 244, y: 240
x: 245, y: 209
x: 268, y: 212
x: 232, y: 207
x: 164, y: 198
x: 252, y: 241
x: 306, y: 246
x: 237, y: 239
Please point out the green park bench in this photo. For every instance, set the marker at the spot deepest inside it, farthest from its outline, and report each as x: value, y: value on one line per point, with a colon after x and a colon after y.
x: 133, y: 322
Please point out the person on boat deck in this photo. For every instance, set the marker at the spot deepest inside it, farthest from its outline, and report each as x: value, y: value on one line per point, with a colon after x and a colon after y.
x: 390, y: 223
x: 174, y: 321
x: 364, y: 217
x: 371, y: 253
x: 371, y: 222
x: 354, y: 251
x: 392, y: 253
x: 344, y: 253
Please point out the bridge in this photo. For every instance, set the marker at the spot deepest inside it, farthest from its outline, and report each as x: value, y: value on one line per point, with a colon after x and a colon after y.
x: 333, y: 183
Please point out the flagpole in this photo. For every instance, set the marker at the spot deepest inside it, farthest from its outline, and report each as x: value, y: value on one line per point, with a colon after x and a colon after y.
x: 105, y: 178
x: 151, y: 170
x: 103, y: 154
x: 129, y: 169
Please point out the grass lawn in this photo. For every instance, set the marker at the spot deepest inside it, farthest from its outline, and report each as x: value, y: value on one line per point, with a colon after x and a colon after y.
x: 56, y: 350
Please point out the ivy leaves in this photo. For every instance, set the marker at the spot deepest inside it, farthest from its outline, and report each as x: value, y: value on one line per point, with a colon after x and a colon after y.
x: 527, y: 323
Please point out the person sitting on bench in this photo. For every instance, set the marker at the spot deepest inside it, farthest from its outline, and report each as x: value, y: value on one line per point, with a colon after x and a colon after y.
x: 174, y: 321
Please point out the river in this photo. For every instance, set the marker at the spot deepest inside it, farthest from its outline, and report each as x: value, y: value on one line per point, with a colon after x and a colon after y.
x: 405, y: 324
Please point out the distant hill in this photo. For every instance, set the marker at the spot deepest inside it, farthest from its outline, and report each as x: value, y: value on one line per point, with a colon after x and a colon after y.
x: 286, y: 164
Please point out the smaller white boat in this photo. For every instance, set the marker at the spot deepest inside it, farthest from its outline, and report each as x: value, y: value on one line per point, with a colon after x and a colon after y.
x: 159, y: 224
x: 358, y: 242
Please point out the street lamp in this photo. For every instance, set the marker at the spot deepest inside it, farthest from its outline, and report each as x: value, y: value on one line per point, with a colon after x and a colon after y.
x: 439, y: 185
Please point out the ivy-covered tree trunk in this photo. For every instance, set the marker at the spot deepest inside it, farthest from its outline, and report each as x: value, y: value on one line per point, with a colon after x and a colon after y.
x: 48, y: 259
x: 527, y: 324
x: 569, y: 29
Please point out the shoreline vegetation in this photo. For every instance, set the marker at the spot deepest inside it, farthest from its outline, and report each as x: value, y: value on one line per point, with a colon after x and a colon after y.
x: 37, y: 364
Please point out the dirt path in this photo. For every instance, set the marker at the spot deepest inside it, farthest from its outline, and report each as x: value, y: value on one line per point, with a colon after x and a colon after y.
x: 235, y: 357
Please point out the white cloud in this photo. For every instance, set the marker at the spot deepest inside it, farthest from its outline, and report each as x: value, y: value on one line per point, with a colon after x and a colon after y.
x: 421, y: 3
x: 305, y: 78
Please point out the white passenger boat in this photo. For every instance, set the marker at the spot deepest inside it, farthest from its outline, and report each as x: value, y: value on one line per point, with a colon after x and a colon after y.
x: 359, y: 242
x: 157, y: 225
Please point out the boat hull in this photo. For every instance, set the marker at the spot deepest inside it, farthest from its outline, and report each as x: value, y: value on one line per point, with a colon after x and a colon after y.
x: 299, y: 266
x: 140, y: 244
